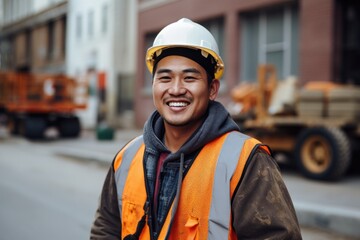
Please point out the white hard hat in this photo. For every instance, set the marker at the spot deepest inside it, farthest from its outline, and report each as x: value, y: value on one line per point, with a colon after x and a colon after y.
x: 188, y: 34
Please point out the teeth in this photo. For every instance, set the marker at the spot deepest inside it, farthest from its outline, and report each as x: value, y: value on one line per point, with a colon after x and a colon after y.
x: 177, y: 104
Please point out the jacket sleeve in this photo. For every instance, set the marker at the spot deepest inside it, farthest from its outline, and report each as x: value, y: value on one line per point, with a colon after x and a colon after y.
x: 107, y: 223
x: 262, y: 207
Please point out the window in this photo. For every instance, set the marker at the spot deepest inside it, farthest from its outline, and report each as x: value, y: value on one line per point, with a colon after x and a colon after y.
x: 91, y: 23
x: 125, y: 98
x: 78, y: 26
x: 28, y: 44
x: 216, y: 27
x: 270, y: 37
x: 63, y: 44
x: 104, y: 21
x: 149, y: 40
x: 350, y: 42
x: 51, y: 40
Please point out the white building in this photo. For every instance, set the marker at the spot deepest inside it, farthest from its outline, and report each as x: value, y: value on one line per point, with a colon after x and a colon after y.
x: 100, y: 45
x: 16, y: 10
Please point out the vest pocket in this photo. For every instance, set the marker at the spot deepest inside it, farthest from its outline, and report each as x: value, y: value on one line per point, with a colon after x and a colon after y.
x: 192, y: 226
x: 132, y: 214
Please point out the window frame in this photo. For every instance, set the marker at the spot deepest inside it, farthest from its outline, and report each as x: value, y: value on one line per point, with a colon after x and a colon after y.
x: 259, y: 20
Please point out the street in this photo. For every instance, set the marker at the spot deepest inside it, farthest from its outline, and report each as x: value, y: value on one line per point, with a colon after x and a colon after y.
x: 48, y: 196
x: 44, y: 196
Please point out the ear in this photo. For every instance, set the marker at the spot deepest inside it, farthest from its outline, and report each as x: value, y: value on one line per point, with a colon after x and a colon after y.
x: 214, y: 89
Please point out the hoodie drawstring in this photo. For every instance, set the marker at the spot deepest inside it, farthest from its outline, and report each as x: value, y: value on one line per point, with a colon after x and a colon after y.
x: 177, y: 196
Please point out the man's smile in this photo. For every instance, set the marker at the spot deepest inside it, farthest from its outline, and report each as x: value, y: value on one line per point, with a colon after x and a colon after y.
x: 178, y: 104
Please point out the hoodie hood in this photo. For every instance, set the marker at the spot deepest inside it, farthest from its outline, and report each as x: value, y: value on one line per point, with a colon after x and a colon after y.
x: 216, y: 123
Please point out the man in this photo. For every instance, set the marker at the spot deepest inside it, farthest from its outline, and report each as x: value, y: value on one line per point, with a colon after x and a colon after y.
x: 192, y: 174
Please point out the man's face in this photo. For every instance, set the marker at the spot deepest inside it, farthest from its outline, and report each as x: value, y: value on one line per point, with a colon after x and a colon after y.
x: 181, y: 92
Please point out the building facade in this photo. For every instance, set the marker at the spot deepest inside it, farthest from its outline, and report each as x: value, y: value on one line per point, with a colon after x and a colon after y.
x: 88, y: 39
x: 101, y: 47
x: 32, y: 36
x: 313, y: 40
x: 106, y: 42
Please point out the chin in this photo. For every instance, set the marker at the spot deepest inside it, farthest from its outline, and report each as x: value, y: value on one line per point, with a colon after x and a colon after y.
x: 177, y: 123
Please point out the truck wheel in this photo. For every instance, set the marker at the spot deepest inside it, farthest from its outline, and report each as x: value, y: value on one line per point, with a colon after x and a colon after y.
x: 14, y: 125
x: 33, y: 127
x: 69, y: 127
x: 323, y: 153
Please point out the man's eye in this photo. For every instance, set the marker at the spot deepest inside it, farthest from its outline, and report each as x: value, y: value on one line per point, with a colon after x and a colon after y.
x: 190, y: 78
x: 164, y: 78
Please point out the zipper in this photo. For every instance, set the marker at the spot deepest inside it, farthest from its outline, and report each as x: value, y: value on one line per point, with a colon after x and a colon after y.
x: 149, y: 208
x: 177, y: 195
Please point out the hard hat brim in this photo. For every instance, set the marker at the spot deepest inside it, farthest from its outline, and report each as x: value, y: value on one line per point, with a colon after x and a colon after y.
x: 150, y: 57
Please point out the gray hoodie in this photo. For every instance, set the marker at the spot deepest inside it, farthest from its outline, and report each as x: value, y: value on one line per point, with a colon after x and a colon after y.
x: 216, y: 123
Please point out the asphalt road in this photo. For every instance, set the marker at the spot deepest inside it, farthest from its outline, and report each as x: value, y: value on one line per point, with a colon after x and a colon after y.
x: 44, y: 196
x: 47, y: 196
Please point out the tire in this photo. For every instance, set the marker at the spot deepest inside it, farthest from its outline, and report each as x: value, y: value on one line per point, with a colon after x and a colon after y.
x: 69, y: 127
x: 15, y: 124
x: 323, y: 153
x: 33, y: 127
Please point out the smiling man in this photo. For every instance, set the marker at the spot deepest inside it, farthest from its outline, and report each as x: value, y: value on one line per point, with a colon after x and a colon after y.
x: 192, y: 174
x: 181, y: 93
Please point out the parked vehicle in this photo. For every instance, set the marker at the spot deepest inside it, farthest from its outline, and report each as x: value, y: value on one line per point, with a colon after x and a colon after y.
x: 318, y: 124
x: 30, y: 103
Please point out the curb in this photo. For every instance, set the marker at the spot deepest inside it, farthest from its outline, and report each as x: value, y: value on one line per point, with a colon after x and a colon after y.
x: 102, y: 159
x: 340, y: 220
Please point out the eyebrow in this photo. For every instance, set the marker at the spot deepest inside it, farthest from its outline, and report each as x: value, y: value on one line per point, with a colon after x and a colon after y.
x: 191, y: 70
x: 187, y: 70
x: 163, y: 70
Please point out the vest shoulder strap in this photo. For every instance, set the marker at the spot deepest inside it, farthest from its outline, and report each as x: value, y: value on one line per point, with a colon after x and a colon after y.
x: 209, y: 186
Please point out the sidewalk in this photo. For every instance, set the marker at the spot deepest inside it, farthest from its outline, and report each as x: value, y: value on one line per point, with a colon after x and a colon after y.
x: 330, y: 206
x: 89, y: 148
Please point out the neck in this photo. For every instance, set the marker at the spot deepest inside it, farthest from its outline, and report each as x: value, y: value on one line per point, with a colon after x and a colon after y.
x: 176, y: 136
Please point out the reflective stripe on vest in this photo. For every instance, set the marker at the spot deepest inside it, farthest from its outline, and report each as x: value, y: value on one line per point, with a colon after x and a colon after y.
x: 121, y: 173
x: 204, y: 210
x: 221, y: 202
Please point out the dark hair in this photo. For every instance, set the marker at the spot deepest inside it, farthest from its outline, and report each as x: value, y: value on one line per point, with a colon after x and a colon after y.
x: 208, y: 63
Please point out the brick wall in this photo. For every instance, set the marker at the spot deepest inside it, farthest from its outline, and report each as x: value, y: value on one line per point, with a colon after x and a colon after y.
x: 316, y: 40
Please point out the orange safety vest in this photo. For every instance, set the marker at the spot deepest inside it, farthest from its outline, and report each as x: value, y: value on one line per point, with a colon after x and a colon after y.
x: 204, y: 208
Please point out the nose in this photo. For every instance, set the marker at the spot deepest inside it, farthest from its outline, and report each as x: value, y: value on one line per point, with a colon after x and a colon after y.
x: 177, y: 87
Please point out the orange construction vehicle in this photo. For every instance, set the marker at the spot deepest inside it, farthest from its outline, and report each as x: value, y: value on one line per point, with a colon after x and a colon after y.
x: 30, y: 103
x: 318, y: 124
